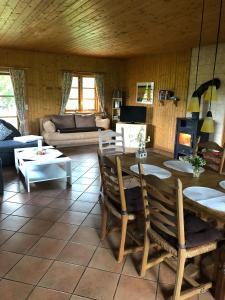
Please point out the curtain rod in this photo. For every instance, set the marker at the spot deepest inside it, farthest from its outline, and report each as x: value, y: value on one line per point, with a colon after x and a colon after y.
x: 83, y: 72
x: 13, y: 67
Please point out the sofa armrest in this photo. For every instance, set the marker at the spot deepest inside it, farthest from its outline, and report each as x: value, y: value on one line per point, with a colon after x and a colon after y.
x: 49, y: 126
x: 104, y: 123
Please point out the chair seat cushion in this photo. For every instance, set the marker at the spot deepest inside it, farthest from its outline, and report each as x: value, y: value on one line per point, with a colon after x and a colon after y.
x: 134, y: 199
x: 194, y: 224
x: 197, y: 232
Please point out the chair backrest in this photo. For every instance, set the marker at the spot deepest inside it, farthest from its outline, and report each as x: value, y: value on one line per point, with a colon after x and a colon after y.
x: 163, y: 207
x: 111, y: 142
x: 112, y: 180
x: 214, y: 155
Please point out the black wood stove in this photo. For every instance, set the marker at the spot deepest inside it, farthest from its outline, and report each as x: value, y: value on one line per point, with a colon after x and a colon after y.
x: 187, y: 132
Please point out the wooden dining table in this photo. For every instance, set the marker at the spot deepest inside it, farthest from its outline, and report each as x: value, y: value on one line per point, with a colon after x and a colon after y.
x: 208, y: 179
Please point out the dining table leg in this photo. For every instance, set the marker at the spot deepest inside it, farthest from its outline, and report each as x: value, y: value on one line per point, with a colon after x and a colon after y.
x: 220, y: 274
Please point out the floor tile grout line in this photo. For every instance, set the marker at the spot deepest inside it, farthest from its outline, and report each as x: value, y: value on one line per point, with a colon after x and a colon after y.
x: 55, y: 260
x: 114, y: 295
x: 79, y: 226
x: 157, y: 287
x: 85, y: 269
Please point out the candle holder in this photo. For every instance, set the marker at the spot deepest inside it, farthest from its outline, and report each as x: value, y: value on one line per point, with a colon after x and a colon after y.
x: 40, y: 150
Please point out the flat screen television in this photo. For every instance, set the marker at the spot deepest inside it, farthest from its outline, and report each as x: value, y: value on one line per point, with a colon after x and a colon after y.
x: 133, y: 114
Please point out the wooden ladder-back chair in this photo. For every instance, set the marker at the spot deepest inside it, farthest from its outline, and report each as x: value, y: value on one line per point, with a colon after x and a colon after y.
x: 213, y: 154
x: 123, y: 204
x: 179, y: 234
x: 111, y: 142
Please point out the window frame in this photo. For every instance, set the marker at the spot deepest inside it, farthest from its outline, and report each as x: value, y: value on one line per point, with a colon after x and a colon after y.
x: 80, y: 96
x: 6, y: 117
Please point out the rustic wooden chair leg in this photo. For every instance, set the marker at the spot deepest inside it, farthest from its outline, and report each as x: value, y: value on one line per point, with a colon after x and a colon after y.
x: 104, y: 222
x: 145, y: 255
x: 179, y: 274
x: 220, y: 275
x: 123, y: 238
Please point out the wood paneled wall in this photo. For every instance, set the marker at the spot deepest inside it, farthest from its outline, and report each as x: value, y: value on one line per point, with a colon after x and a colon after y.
x: 170, y: 72
x: 44, y: 73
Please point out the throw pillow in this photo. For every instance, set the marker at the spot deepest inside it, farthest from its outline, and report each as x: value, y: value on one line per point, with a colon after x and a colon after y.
x: 4, y: 132
x: 49, y: 126
x: 104, y: 123
x: 64, y: 121
x: 85, y: 121
x: 14, y: 131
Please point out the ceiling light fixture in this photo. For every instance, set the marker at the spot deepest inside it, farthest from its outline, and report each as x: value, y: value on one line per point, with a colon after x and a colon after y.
x: 211, y: 94
x: 194, y: 104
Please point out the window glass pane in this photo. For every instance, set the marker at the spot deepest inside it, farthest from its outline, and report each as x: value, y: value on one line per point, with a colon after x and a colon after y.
x: 6, y: 88
x: 89, y: 94
x: 88, y: 82
x: 7, y: 106
x: 88, y: 104
x: 8, y: 111
x: 74, y: 93
x: 75, y: 82
x: 72, y: 105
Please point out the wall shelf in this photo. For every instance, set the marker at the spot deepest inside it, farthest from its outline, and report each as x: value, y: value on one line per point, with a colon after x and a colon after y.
x: 117, y: 102
x: 175, y: 101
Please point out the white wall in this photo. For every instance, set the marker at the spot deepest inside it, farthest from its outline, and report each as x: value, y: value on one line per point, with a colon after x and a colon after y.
x: 205, y: 73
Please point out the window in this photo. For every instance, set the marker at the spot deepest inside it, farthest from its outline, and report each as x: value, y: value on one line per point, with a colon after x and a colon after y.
x: 82, y: 95
x: 8, y: 111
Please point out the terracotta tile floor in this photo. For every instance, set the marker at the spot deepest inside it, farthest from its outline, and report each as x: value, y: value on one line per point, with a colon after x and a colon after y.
x: 50, y: 246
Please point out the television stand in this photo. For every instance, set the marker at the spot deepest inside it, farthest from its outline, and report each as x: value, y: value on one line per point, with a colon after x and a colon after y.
x: 131, y: 131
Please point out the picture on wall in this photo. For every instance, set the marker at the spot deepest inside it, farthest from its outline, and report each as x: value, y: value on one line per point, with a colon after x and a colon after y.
x: 145, y: 92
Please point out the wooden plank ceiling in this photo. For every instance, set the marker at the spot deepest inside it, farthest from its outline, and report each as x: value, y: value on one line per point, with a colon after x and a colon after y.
x: 110, y: 28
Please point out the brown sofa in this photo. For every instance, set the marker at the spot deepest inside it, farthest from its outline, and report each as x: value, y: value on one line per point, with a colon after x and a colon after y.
x: 72, y: 129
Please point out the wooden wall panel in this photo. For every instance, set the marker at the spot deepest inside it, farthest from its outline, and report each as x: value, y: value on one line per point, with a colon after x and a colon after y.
x: 44, y: 73
x: 107, y: 28
x: 168, y: 71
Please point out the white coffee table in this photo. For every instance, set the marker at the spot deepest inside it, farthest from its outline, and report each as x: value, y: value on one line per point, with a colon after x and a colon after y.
x: 38, y: 168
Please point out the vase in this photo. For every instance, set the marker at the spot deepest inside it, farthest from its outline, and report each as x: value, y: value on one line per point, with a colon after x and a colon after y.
x: 196, y: 172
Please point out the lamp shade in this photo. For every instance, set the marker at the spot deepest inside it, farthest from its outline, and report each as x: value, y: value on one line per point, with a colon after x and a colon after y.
x: 208, y: 124
x: 211, y: 93
x: 193, y: 105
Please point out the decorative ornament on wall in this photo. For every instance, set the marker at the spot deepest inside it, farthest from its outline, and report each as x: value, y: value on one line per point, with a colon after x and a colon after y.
x: 145, y: 92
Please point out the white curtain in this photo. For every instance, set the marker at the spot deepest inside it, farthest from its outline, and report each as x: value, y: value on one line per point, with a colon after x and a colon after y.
x: 18, y: 81
x: 67, y: 83
x: 99, y: 79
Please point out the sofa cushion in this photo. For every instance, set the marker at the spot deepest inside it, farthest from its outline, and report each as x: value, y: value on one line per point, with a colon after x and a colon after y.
x: 85, y: 121
x: 4, y: 132
x: 7, y: 150
x: 13, y: 131
x: 64, y: 121
x: 103, y: 123
x: 49, y: 126
x: 79, y: 129
x: 10, y: 145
